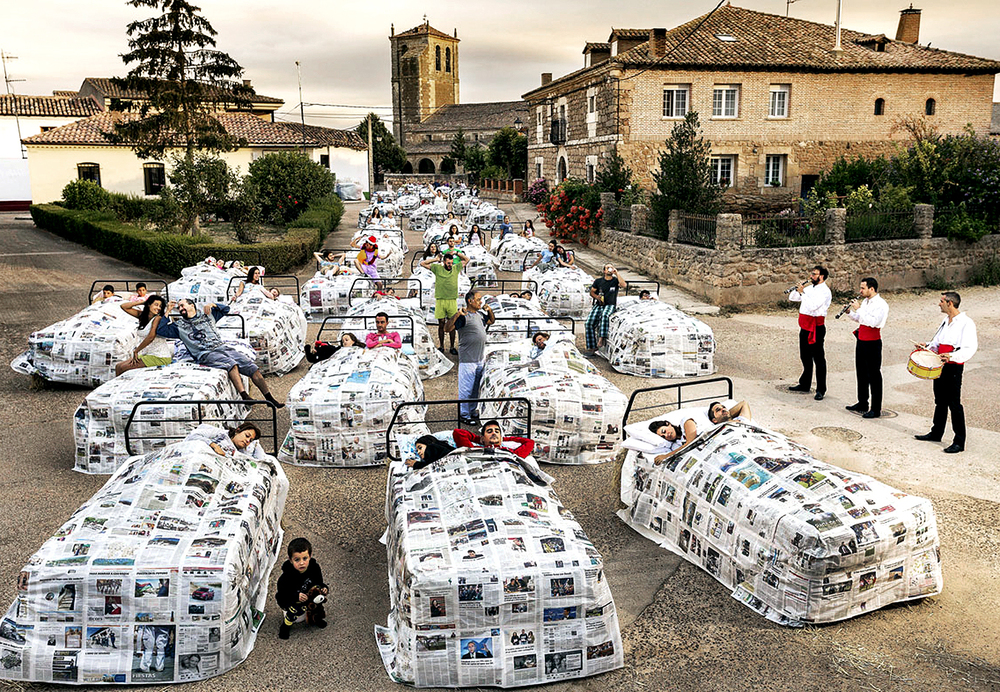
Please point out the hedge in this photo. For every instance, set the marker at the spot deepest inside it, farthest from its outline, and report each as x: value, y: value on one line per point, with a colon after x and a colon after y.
x: 168, y: 253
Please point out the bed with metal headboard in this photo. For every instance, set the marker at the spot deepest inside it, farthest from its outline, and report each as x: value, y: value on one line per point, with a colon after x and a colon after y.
x: 149, y: 425
x: 129, y: 287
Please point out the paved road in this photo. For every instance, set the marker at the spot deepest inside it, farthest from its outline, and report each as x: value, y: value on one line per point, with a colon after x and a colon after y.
x: 682, y: 631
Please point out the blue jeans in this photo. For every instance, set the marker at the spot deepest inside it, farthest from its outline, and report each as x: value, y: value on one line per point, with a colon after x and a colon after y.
x: 469, y: 376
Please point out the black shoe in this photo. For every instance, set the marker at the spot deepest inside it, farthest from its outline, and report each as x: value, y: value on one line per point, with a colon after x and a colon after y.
x: 857, y: 408
x: 929, y: 437
x: 245, y: 395
x: 467, y: 421
x: 453, y: 351
x: 319, y: 622
x: 819, y: 396
x: 277, y: 404
x: 872, y: 414
x: 955, y: 448
x: 798, y: 388
x: 283, y: 631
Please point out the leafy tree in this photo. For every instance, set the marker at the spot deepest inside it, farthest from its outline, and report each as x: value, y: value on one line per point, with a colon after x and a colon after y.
x: 458, y: 146
x: 614, y: 176
x: 202, y: 185
x: 509, y: 150
x: 475, y: 160
x: 387, y: 156
x: 185, y: 80
x: 286, y: 182
x: 684, y: 180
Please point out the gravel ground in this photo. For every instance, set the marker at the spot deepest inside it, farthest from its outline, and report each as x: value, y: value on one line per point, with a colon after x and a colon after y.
x: 681, y: 629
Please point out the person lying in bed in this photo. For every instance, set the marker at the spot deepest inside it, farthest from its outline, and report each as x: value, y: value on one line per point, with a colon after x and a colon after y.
x: 492, y: 438
x: 718, y: 413
x: 429, y: 449
x: 677, y: 437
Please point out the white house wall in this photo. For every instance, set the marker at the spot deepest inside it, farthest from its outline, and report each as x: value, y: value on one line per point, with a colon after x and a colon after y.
x: 15, y: 183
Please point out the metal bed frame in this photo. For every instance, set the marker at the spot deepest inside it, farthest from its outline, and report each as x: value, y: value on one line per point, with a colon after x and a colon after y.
x: 384, y: 281
x: 242, y: 328
x: 522, y: 284
x: 638, y: 287
x: 129, y: 283
x: 529, y: 320
x: 456, y: 420
x: 286, y: 281
x: 202, y: 418
x: 338, y: 318
x: 678, y: 388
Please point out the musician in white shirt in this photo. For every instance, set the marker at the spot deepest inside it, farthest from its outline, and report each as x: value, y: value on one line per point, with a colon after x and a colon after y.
x: 870, y: 312
x: 814, y: 301
x: 955, y: 342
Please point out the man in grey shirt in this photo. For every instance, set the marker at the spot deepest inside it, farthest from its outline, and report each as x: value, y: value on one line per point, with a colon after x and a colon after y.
x: 471, y: 323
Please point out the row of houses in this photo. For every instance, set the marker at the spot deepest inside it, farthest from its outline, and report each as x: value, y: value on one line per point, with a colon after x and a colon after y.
x: 47, y: 141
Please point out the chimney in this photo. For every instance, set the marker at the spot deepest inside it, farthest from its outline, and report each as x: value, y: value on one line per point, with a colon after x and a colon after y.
x: 658, y: 42
x: 908, y: 30
x: 246, y: 83
x: 546, y: 78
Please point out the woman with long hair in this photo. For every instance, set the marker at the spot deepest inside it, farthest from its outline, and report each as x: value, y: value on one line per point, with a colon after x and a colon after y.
x: 253, y: 279
x: 475, y: 236
x: 152, y: 350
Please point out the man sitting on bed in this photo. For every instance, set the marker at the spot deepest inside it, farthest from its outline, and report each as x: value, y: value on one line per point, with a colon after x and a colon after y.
x: 492, y: 438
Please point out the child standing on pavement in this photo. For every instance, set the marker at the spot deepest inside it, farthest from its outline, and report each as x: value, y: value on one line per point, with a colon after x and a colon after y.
x: 300, y: 575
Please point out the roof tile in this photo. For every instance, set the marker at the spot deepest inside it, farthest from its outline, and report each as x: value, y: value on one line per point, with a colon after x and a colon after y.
x: 56, y: 106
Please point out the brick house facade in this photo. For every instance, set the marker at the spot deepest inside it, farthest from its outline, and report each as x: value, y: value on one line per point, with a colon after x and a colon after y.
x: 775, y: 99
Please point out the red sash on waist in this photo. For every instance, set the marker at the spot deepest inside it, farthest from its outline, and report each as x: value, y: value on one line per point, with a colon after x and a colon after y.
x: 809, y: 323
x: 945, y: 348
x: 868, y: 333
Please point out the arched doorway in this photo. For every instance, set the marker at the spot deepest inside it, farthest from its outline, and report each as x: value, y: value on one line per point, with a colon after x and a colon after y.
x: 407, y: 168
x: 425, y: 166
x: 561, y: 171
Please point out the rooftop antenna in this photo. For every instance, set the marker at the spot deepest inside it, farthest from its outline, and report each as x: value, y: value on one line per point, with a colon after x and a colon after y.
x: 302, y: 107
x: 837, y: 48
x: 4, y: 57
x: 788, y: 3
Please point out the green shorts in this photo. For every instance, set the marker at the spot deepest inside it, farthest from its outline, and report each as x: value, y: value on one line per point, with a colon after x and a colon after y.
x: 154, y: 361
x: 444, y: 309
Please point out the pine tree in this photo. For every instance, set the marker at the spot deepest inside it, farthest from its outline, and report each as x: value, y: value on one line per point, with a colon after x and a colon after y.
x: 387, y: 156
x: 458, y: 146
x: 684, y: 180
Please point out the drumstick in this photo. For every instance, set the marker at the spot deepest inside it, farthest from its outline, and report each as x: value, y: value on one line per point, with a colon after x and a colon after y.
x: 922, y: 348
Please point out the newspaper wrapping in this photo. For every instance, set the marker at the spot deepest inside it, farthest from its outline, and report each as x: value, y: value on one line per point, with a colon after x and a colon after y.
x: 438, y: 232
x: 160, y: 577
x: 276, y: 330
x: 652, y: 339
x: 426, y: 216
x: 492, y: 582
x: 384, y: 207
x: 84, y: 348
x: 427, y: 280
x: 575, y: 411
x: 99, y: 422
x: 323, y: 295
x: 206, y: 283
x: 563, y: 291
x: 796, y: 539
x: 390, y: 242
x: 340, y: 410
x: 481, y: 265
x: 421, y: 347
x: 407, y: 203
x: 517, y: 319
x: 510, y: 250
x: 488, y: 216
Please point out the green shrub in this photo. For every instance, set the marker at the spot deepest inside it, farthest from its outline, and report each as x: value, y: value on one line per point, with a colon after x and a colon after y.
x: 133, y: 207
x: 324, y: 213
x: 492, y: 172
x: 959, y: 224
x: 987, y: 273
x: 286, y: 183
x: 85, y: 195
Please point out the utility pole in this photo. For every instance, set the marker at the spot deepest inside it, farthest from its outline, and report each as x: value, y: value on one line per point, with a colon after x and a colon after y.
x: 4, y: 57
x: 302, y: 107
x: 371, y: 157
x: 787, y: 4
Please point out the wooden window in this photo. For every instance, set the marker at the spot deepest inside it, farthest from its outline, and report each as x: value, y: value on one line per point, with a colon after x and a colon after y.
x: 721, y: 170
x: 447, y: 59
x: 676, y: 98
x: 726, y: 101
x: 591, y: 103
x: 324, y: 160
x: 89, y: 171
x: 879, y: 106
x: 437, y: 58
x: 155, y: 178
x: 774, y: 170
x: 778, y: 107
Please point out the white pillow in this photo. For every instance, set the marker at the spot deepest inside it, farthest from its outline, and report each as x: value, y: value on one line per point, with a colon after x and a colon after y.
x: 641, y: 432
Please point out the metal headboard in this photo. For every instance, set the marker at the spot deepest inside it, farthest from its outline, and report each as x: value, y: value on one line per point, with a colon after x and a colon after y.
x: 637, y: 287
x: 521, y: 284
x: 680, y: 400
x: 242, y: 329
x: 275, y: 280
x: 384, y: 281
x: 528, y: 255
x: 196, y: 408
x: 129, y: 284
x: 366, y: 318
x: 523, y: 414
x: 545, y: 321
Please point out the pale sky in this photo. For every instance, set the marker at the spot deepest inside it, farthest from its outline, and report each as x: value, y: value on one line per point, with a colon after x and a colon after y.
x: 344, y: 48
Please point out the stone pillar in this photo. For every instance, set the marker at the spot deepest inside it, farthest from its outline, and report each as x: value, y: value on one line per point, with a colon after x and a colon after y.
x: 608, y: 208
x: 728, y: 231
x: 640, y: 219
x: 923, y: 220
x: 673, y: 225
x: 835, y: 223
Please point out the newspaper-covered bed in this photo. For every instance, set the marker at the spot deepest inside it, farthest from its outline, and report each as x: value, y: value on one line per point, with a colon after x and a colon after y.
x: 563, y: 291
x: 492, y: 582
x: 652, y: 339
x: 575, y: 411
x: 276, y: 330
x: 324, y: 295
x: 340, y: 410
x: 160, y: 577
x: 429, y: 360
x: 99, y: 422
x: 205, y: 283
x: 481, y: 265
x: 511, y: 249
x: 82, y: 349
x: 796, y: 539
x: 517, y: 318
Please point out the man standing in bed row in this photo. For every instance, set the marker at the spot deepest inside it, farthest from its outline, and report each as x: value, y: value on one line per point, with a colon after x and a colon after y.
x: 471, y: 323
x: 604, y: 291
x: 814, y: 301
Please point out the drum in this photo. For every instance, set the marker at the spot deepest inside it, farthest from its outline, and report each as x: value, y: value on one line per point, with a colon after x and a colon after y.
x: 925, y: 364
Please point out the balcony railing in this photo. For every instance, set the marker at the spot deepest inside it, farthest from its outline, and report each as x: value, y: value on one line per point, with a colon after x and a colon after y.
x: 557, y: 133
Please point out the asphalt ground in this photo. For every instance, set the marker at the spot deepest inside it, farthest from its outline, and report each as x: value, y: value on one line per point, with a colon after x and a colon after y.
x: 680, y: 628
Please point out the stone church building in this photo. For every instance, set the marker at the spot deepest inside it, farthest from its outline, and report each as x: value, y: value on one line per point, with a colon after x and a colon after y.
x: 425, y: 100
x: 778, y: 98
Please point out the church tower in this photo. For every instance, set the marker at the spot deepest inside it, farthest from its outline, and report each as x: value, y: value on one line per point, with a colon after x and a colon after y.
x: 424, y: 75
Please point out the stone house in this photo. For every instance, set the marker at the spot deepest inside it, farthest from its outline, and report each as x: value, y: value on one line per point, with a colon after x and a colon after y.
x: 426, y: 110
x: 779, y: 99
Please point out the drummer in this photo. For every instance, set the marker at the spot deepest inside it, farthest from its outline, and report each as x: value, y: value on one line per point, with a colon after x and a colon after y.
x: 870, y: 312
x: 955, y: 342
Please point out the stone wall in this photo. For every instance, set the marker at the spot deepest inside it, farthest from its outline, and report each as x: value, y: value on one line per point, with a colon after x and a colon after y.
x: 733, y: 275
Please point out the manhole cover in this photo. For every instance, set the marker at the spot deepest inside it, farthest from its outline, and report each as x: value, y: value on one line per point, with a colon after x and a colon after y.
x: 886, y: 413
x: 838, y: 434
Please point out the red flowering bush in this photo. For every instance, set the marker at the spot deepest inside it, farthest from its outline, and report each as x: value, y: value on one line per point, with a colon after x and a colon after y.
x: 572, y: 211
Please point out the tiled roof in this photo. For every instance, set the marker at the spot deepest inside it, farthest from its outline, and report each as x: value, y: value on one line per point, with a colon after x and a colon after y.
x: 55, y: 106
x: 257, y: 132
x: 66, y: 93
x: 629, y: 33
x: 770, y: 41
x: 590, y: 45
x: 433, y: 147
x: 105, y: 86
x: 425, y: 29
x: 474, y: 116
x: 347, y: 139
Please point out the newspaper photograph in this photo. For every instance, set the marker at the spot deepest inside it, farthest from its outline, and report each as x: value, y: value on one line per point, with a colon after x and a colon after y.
x: 492, y: 582
x: 160, y: 577
x: 276, y: 330
x: 795, y: 539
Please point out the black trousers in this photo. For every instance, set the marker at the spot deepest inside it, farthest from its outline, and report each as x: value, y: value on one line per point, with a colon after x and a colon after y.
x: 948, y: 397
x: 868, y: 367
x: 813, y: 353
